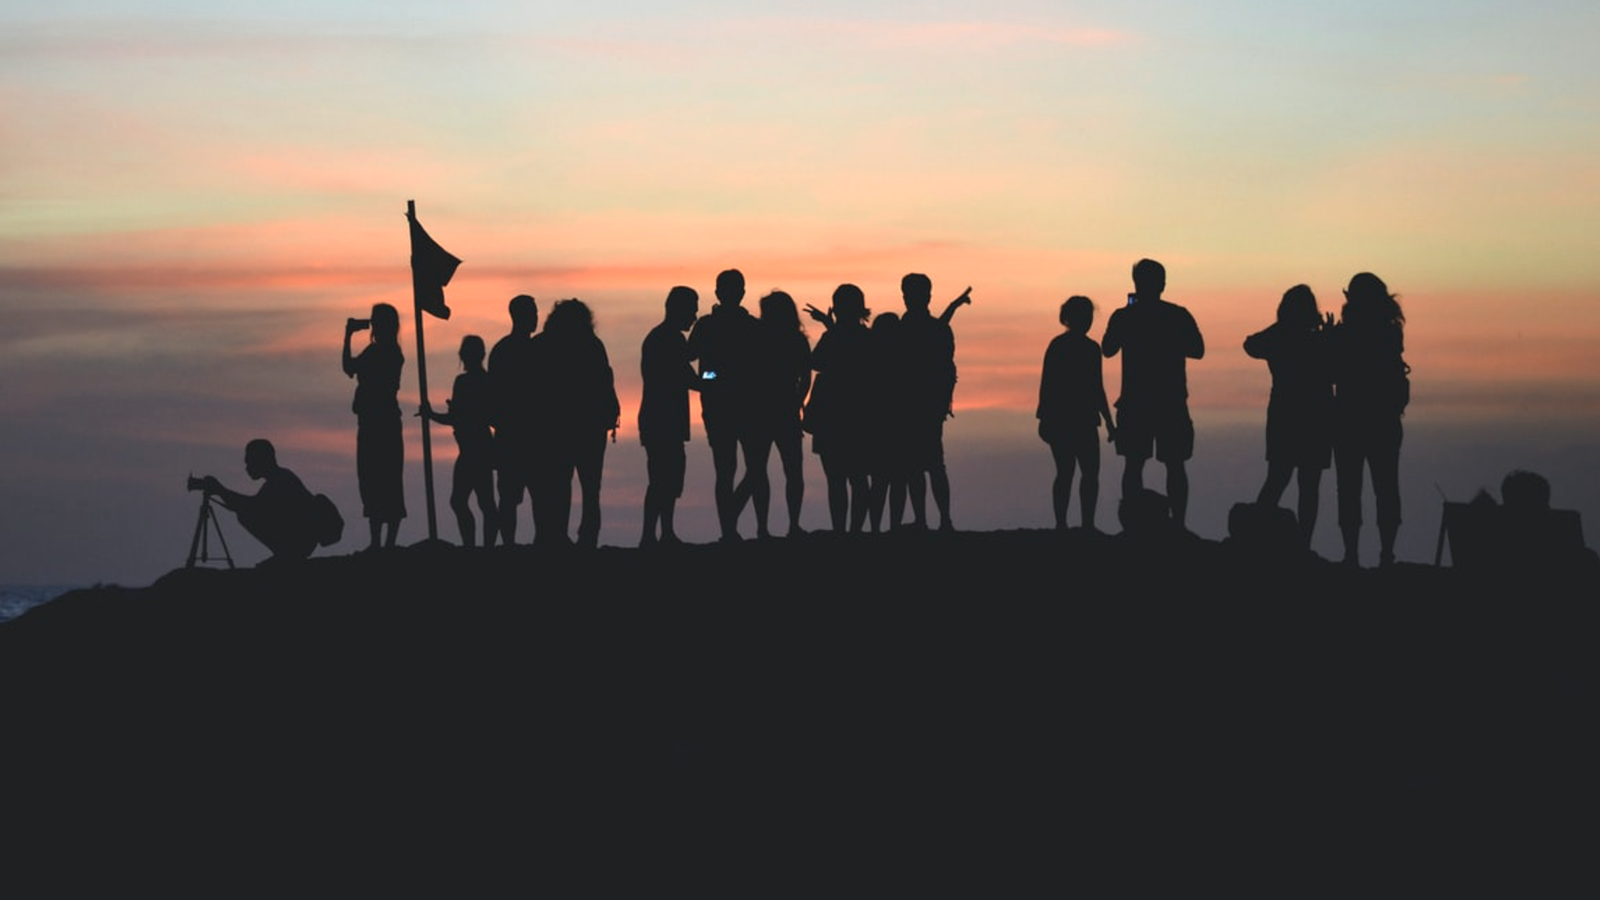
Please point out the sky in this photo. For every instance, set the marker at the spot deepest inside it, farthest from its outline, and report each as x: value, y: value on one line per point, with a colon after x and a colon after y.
x: 193, y: 197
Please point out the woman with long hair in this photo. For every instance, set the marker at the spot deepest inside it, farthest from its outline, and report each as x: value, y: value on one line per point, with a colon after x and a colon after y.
x: 783, y: 370
x: 380, y: 449
x: 839, y: 411
x: 1371, y: 390
x: 578, y: 406
x: 1300, y: 408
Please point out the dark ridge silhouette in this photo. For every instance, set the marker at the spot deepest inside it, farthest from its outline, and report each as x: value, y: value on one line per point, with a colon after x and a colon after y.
x: 912, y: 721
x: 380, y: 448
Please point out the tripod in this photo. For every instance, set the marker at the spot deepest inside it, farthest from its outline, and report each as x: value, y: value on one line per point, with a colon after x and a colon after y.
x: 200, y: 547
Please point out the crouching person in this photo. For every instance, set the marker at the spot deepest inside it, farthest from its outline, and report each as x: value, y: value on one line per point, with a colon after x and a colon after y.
x: 282, y: 514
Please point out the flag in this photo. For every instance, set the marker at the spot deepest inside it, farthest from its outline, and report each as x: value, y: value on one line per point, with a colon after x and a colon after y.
x: 432, y: 267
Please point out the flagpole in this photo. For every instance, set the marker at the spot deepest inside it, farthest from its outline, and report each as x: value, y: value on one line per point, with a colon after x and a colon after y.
x: 422, y: 389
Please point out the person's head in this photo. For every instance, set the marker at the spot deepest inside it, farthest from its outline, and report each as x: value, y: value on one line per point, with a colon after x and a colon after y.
x: 524, y: 314
x: 730, y: 287
x: 916, y: 290
x: 1077, y: 314
x: 1524, y: 490
x: 777, y: 308
x: 472, y: 352
x: 1367, y: 302
x: 385, y: 324
x: 849, y: 304
x: 1298, y: 308
x: 1149, y: 279
x: 260, y: 458
x: 683, y: 307
x: 570, y: 316
x: 885, y: 323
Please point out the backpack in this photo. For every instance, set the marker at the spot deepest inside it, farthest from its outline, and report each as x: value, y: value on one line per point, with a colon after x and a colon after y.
x: 327, y: 526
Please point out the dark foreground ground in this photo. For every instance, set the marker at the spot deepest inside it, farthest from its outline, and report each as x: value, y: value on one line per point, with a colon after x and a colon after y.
x: 998, y: 712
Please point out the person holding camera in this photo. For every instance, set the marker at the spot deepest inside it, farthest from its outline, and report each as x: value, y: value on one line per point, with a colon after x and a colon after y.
x: 380, y: 448
x: 281, y: 515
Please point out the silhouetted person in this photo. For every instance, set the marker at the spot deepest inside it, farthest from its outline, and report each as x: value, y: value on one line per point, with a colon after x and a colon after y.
x: 840, y: 410
x: 668, y: 377
x: 1371, y: 390
x: 1072, y: 404
x: 1155, y: 338
x: 511, y: 391
x: 928, y: 359
x: 1300, y: 409
x: 888, y: 427
x: 280, y: 514
x: 471, y: 412
x: 723, y: 342
x: 782, y: 378
x: 380, y: 450
x: 577, y: 406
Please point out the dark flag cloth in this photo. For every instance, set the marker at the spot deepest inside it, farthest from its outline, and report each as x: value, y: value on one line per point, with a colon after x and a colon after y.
x: 432, y: 267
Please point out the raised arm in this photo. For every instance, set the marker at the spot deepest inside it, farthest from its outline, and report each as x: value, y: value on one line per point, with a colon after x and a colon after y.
x: 348, y: 360
x: 950, y: 310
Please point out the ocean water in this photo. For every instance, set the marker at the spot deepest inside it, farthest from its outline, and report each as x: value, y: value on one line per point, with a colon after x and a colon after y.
x: 16, y: 599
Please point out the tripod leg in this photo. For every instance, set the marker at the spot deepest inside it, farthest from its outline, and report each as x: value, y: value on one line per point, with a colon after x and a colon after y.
x: 220, y: 539
x: 199, y: 533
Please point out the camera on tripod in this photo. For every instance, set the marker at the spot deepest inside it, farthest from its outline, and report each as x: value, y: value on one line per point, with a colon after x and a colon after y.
x: 199, y: 484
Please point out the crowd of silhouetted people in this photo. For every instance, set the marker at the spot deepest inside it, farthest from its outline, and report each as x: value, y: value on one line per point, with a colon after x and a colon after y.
x: 533, y: 414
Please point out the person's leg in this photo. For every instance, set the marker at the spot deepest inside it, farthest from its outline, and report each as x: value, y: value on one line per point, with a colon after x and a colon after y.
x: 1089, y: 480
x: 1348, y: 463
x: 860, y: 498
x: 939, y: 483
x: 1310, y: 501
x: 792, y: 455
x: 510, y: 483
x: 756, y: 484
x: 838, y: 492
x: 1386, y: 493
x: 724, y: 462
x: 461, y: 502
x: 1061, y: 487
x: 676, y: 466
x: 1178, y: 491
x: 1278, y: 475
x: 591, y: 460
x: 917, y: 493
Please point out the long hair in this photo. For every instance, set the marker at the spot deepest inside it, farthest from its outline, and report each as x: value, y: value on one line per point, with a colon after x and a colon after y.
x: 1368, y: 303
x: 570, y: 316
x: 385, y: 324
x: 1298, y: 308
x: 778, y: 308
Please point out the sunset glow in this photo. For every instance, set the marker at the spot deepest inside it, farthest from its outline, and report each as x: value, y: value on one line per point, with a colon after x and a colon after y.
x: 195, y: 197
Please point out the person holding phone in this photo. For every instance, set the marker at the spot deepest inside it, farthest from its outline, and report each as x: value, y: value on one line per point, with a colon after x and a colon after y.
x: 380, y: 448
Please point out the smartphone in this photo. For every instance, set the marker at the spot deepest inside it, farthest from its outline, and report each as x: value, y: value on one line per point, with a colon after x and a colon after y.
x: 709, y: 375
x: 360, y: 324
x: 1131, y: 298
